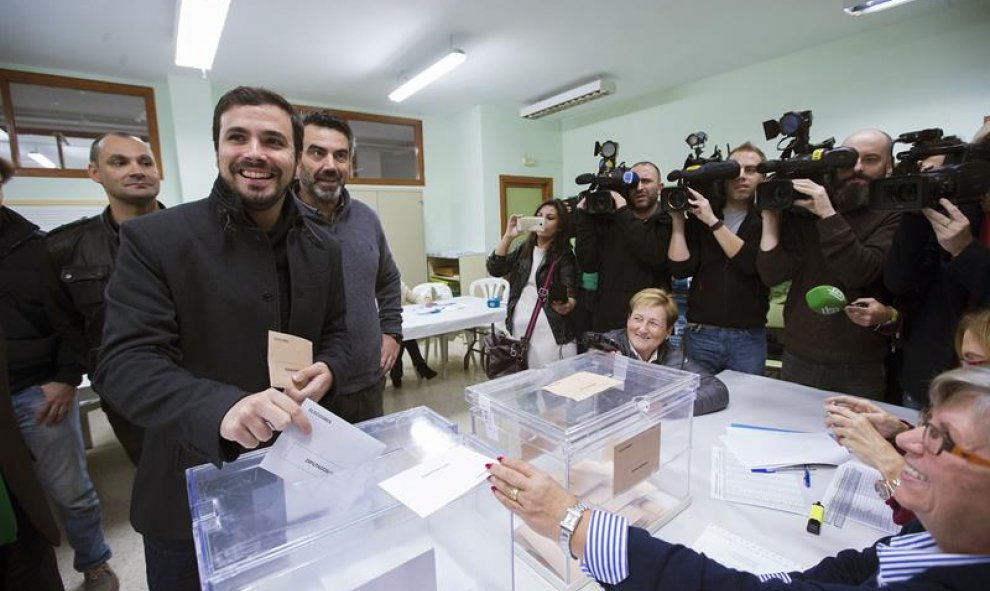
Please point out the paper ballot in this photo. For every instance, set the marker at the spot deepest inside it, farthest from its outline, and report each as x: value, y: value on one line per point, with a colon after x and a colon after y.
x: 287, y: 354
x: 736, y: 552
x: 439, y: 480
x: 757, y: 448
x: 333, y: 446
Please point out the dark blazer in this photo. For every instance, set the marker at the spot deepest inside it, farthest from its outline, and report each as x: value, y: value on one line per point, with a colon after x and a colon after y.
x: 16, y: 464
x: 519, y: 268
x: 656, y: 565
x: 628, y: 254
x: 713, y: 394
x: 188, y: 308
x: 932, y: 290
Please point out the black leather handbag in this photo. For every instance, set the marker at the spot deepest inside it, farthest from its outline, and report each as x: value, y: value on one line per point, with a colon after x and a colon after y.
x: 505, y: 354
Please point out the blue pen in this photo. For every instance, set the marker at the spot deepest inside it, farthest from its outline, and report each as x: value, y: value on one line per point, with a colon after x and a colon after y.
x: 807, y: 478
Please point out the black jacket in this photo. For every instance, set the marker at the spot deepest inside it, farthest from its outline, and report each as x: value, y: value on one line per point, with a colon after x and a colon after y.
x: 33, y: 314
x: 193, y: 295
x: 83, y: 253
x: 724, y: 292
x: 17, y: 465
x: 628, y: 254
x: 713, y: 394
x: 931, y: 290
x: 518, y: 268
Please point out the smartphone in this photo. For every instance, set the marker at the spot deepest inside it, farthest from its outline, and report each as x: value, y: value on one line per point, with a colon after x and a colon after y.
x: 530, y: 224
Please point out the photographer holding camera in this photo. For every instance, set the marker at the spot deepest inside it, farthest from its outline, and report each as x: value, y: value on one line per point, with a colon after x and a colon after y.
x: 842, y: 244
x: 547, y: 250
x: 626, y: 247
x: 937, y: 268
x: 717, y: 245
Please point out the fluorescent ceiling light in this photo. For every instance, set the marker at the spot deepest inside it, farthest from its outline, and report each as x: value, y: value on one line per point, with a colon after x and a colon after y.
x: 3, y: 136
x: 41, y: 159
x: 568, y: 98
x: 453, y: 59
x: 200, y: 26
x: 861, y: 7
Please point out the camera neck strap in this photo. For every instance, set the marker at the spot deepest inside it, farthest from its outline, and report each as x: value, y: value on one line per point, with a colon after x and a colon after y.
x: 541, y: 298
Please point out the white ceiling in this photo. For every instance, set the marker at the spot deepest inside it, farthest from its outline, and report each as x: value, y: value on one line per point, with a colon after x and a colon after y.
x: 351, y: 53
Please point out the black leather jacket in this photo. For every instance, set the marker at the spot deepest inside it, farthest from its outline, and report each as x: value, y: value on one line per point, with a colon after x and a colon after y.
x: 83, y: 253
x: 518, y: 268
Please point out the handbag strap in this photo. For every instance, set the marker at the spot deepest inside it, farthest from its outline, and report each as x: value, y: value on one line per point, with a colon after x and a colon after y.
x: 541, y: 298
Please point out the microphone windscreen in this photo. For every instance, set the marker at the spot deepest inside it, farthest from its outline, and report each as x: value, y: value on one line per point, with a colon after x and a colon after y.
x: 826, y: 299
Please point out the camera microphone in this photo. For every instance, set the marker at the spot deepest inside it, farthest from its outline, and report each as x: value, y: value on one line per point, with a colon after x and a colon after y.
x: 826, y: 299
x: 585, y: 179
x: 728, y: 169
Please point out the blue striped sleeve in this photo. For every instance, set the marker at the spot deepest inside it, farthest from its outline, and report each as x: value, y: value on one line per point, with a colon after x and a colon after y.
x: 606, y: 555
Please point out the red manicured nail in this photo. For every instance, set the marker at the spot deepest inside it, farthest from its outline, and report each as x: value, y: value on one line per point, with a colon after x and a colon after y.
x: 488, y: 466
x: 500, y: 458
x: 493, y: 489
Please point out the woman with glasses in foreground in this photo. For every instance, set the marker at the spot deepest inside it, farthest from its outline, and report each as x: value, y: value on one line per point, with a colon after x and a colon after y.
x: 945, y: 482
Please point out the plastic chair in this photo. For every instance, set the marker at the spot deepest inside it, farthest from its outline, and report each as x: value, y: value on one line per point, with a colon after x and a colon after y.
x: 442, y: 291
x: 486, y: 287
x: 439, y: 291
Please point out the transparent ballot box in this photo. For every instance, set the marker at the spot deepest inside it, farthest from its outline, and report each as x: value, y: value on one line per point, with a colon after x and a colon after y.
x: 255, y: 531
x: 614, y: 431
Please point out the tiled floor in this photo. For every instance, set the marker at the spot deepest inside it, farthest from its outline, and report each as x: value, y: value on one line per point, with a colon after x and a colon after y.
x: 113, y: 473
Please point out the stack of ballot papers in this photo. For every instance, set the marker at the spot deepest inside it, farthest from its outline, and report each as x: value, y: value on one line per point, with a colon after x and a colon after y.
x: 769, y: 449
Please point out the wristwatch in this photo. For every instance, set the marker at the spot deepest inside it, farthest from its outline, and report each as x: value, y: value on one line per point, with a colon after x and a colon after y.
x: 885, y: 488
x: 718, y: 224
x: 568, y: 524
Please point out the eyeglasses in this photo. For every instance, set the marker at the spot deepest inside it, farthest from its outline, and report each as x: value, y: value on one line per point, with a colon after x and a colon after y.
x: 935, y: 441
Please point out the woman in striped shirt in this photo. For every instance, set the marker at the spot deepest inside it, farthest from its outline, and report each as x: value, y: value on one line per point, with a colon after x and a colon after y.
x: 945, y: 482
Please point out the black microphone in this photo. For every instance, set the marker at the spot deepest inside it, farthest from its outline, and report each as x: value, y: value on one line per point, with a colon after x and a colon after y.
x: 585, y: 179
x: 713, y: 171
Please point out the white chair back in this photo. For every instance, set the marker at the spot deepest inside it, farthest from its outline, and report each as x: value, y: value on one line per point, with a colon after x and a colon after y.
x: 490, y: 287
x: 442, y: 291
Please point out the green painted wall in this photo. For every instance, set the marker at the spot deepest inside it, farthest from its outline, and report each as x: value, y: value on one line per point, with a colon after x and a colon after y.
x: 933, y: 71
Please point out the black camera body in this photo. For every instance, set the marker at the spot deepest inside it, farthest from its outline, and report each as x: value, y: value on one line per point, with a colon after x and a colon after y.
x: 800, y: 159
x: 611, y: 177
x: 698, y: 173
x: 964, y: 176
x: 777, y: 193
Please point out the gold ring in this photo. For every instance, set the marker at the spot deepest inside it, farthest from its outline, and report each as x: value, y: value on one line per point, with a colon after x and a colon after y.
x: 514, y: 494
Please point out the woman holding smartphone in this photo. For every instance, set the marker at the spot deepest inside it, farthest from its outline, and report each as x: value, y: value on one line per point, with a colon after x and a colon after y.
x: 545, y: 258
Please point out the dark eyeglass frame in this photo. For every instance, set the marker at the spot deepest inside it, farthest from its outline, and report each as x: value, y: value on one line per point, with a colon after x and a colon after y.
x: 933, y: 434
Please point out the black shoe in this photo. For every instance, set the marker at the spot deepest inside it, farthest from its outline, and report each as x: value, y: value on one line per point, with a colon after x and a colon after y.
x: 426, y: 372
x: 397, y: 383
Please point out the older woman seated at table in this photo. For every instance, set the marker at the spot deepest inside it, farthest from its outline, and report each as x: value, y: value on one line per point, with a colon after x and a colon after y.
x: 652, y: 314
x: 868, y: 431
x: 946, y: 482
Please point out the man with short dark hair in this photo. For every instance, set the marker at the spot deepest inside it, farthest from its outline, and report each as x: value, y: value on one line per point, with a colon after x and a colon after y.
x: 44, y: 369
x: 84, y: 250
x: 843, y: 244
x: 374, y: 310
x: 195, y: 292
x: 716, y: 244
x: 627, y: 248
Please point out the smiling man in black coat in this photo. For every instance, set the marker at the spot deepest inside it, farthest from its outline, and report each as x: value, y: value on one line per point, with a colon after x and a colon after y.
x: 195, y: 292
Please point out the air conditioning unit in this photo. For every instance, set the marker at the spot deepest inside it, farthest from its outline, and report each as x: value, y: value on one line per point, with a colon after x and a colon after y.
x: 568, y: 98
